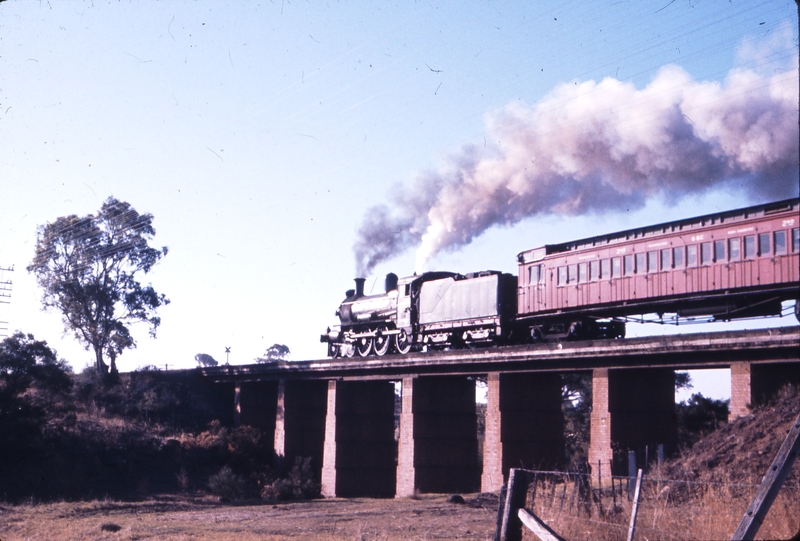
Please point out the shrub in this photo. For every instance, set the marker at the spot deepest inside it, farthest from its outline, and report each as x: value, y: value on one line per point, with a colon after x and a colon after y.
x: 699, y: 416
x: 226, y: 484
x: 300, y: 484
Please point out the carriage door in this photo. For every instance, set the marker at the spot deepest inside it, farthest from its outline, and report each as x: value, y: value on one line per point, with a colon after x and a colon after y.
x: 538, y: 301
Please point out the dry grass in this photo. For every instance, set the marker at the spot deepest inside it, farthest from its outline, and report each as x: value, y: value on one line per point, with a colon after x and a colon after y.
x: 668, y: 510
x: 173, y: 518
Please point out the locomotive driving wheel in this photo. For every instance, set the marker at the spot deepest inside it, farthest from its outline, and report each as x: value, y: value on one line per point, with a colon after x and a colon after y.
x: 364, y: 346
x: 382, y: 343
x: 401, y: 342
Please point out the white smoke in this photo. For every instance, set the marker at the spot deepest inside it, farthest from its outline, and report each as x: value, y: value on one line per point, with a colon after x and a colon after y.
x: 595, y: 147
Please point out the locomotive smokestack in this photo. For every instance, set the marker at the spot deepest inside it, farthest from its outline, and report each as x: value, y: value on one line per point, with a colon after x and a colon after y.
x: 360, y: 286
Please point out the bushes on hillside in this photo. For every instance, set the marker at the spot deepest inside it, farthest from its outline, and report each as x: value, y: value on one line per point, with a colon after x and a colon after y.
x: 34, y: 384
x: 699, y: 416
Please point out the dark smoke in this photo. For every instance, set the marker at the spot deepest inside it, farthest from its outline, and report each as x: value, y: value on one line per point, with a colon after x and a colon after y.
x: 597, y: 147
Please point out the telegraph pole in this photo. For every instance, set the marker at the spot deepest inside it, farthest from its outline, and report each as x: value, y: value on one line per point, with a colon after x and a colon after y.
x: 5, y: 295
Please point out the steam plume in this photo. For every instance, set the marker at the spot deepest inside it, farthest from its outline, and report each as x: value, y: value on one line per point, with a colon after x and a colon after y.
x: 597, y: 147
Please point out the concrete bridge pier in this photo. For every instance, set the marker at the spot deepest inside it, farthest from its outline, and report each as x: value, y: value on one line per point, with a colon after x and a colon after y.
x: 524, y: 425
x: 438, y: 446
x: 359, y: 455
x: 753, y: 383
x: 631, y: 409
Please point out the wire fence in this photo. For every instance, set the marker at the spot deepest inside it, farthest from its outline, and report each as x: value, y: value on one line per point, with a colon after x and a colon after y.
x: 576, y: 506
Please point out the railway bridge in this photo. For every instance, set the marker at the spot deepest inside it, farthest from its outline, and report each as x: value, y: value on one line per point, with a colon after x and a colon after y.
x: 341, y: 412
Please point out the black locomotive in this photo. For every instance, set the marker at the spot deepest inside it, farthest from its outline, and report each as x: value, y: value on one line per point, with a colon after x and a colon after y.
x: 433, y: 310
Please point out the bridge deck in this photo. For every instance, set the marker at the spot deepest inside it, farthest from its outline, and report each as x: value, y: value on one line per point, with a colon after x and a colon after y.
x: 680, y: 352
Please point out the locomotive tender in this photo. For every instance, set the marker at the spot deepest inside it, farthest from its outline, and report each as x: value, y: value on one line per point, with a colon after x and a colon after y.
x: 728, y: 265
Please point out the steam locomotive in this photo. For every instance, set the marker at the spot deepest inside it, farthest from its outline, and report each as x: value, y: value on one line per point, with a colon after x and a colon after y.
x: 736, y: 264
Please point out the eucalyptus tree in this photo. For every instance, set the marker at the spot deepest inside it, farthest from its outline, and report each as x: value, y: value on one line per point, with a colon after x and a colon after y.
x: 89, y: 269
x: 276, y: 352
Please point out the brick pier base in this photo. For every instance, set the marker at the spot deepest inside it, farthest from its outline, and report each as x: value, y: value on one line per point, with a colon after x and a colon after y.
x: 753, y: 383
x: 524, y: 425
x: 300, y: 421
x: 631, y: 409
x: 359, y: 456
x: 600, y: 454
x: 438, y: 447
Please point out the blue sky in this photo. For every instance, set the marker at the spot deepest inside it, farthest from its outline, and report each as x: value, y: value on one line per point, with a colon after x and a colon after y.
x: 260, y: 135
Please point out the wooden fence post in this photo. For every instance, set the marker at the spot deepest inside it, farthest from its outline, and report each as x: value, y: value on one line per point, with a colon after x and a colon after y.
x: 635, y: 505
x: 516, y: 492
x: 501, y: 508
x: 631, y: 472
x: 770, y: 486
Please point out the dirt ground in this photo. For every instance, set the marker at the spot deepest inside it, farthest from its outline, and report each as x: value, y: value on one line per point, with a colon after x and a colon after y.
x: 179, y: 518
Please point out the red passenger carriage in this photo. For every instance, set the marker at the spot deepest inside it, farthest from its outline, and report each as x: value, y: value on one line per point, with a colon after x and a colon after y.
x: 728, y: 265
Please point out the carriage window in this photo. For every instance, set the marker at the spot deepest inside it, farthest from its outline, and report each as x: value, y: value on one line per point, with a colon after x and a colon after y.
x: 705, y: 253
x: 652, y: 261
x: 719, y: 250
x: 780, y: 242
x: 734, y: 249
x: 763, y: 244
x: 594, y: 270
x: 536, y: 274
x: 572, y: 274
x: 796, y: 239
x: 562, y: 276
x: 616, y: 268
x: 407, y: 290
x: 677, y: 257
x: 605, y: 269
x: 640, y: 264
x: 665, y: 261
x: 582, y: 273
x: 629, y: 268
x: 691, y: 255
x: 750, y: 247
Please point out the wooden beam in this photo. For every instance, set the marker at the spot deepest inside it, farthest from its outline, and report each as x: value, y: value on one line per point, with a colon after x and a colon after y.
x: 770, y: 486
x: 539, y: 528
x: 635, y: 511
